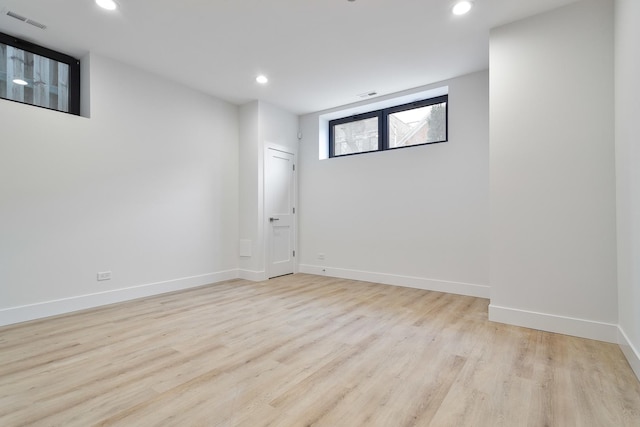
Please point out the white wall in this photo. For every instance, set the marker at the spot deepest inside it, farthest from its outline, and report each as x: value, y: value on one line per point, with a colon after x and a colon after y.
x: 251, y: 182
x: 279, y: 128
x: 553, y: 241
x: 415, y: 216
x: 628, y: 175
x: 261, y: 125
x: 146, y: 188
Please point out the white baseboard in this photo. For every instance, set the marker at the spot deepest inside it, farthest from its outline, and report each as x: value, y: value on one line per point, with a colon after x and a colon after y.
x: 396, y: 280
x: 582, y: 328
x: 25, y: 313
x: 630, y: 352
x: 254, y: 276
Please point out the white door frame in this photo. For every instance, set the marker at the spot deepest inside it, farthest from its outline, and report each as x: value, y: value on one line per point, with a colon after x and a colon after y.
x: 266, y: 227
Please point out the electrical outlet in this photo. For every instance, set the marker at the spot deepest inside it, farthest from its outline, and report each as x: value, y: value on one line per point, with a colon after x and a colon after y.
x: 321, y: 256
x: 104, y: 275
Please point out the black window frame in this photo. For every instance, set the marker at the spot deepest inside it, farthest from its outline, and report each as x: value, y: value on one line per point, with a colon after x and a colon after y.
x: 352, y: 119
x: 73, y: 63
x: 383, y: 124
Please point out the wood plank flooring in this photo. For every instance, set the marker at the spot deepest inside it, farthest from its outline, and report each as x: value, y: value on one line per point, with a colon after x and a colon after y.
x: 306, y: 350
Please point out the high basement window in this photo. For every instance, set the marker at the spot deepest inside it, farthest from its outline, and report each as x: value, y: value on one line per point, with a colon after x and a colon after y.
x: 416, y: 123
x: 38, y: 76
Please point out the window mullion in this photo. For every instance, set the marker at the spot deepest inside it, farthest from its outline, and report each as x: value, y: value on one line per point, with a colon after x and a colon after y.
x: 383, y: 129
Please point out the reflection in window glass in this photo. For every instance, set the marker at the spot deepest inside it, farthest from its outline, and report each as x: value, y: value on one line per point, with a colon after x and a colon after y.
x: 417, y: 126
x: 33, y: 79
x: 355, y: 137
x: 38, y: 76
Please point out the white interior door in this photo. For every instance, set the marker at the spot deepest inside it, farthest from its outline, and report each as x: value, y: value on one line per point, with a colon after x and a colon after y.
x: 280, y: 210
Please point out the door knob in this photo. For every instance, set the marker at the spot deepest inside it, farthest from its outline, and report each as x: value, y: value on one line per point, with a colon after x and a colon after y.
x: 274, y: 219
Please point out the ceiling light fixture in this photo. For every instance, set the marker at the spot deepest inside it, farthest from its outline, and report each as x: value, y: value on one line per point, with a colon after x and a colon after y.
x: 107, y: 4
x: 20, y: 82
x: 462, y: 7
x: 263, y: 80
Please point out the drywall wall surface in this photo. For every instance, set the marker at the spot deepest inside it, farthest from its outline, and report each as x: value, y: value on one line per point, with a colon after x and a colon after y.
x: 414, y: 216
x: 250, y: 187
x: 279, y: 128
x: 147, y: 188
x: 553, y: 241
x: 262, y: 125
x: 628, y: 175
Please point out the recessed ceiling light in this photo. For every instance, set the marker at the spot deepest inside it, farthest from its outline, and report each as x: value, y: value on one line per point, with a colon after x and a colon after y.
x: 462, y: 7
x: 107, y: 4
x: 20, y: 82
x: 262, y: 79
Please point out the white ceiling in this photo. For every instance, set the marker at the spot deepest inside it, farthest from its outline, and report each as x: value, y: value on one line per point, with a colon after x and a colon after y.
x: 318, y: 54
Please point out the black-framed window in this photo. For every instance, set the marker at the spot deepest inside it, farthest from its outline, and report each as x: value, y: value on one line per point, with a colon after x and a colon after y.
x: 417, y: 123
x: 38, y: 76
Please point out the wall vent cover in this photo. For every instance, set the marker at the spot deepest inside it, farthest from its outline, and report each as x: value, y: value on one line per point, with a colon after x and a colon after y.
x: 36, y: 24
x: 25, y: 19
x: 367, y: 94
x: 15, y: 15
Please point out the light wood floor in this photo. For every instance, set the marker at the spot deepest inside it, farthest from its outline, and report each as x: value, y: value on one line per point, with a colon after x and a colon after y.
x: 306, y: 350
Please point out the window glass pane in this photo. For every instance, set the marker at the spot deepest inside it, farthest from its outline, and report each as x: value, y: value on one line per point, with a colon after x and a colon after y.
x: 421, y: 125
x: 355, y: 137
x: 33, y: 79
